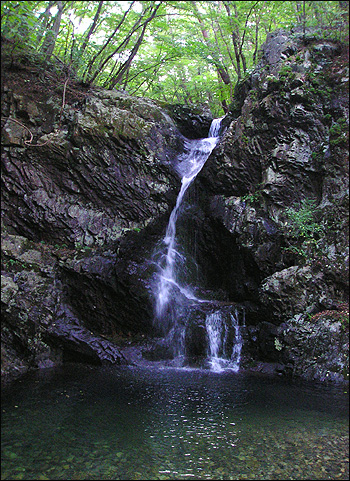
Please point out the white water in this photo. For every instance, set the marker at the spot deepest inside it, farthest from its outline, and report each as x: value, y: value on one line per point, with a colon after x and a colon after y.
x: 218, y: 332
x: 191, y: 164
x: 171, y: 294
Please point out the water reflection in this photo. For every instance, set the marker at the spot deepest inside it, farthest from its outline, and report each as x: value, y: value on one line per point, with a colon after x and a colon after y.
x: 132, y: 423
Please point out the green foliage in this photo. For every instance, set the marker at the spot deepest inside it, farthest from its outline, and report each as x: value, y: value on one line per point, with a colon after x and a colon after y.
x: 253, y: 197
x: 19, y: 22
x: 278, y: 344
x: 318, y: 156
x: 302, y: 219
x: 327, y: 118
x: 15, y: 264
x: 339, y: 132
x: 178, y: 52
x: 344, y: 319
x: 303, y: 230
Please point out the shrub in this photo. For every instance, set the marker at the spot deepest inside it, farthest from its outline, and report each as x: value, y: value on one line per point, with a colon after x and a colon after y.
x: 303, y: 230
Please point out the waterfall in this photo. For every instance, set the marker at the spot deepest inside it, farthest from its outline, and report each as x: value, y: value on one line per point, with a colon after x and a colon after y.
x: 219, y: 330
x: 190, y: 164
x: 172, y: 296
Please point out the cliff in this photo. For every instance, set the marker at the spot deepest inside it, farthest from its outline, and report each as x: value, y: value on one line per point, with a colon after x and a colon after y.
x: 89, y: 181
x: 279, y: 186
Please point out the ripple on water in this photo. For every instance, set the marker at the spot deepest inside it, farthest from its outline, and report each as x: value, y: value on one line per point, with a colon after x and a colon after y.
x: 125, y: 423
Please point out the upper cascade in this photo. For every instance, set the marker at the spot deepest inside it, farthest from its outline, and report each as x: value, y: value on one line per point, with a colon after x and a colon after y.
x: 170, y: 260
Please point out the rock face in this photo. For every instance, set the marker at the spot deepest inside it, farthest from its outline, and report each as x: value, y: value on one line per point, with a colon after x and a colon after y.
x: 302, y: 345
x: 192, y: 122
x: 98, y: 173
x: 279, y: 185
x: 106, y: 170
x: 88, y: 187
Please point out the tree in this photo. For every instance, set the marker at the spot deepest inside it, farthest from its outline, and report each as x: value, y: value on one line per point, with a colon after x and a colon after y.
x: 50, y: 38
x: 178, y: 51
x: 92, y: 28
x: 125, y: 66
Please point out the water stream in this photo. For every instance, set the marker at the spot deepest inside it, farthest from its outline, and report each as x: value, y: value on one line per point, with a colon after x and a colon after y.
x: 221, y: 353
x: 190, y: 164
x: 175, y: 299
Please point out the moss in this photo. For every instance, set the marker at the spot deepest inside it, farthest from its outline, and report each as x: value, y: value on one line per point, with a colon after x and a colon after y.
x: 14, y: 265
x: 318, y: 156
x: 286, y: 73
x: 130, y: 126
x: 327, y: 119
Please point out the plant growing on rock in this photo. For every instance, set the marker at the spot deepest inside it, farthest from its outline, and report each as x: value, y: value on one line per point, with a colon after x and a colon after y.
x: 253, y: 197
x: 339, y: 132
x: 303, y: 231
x: 341, y: 314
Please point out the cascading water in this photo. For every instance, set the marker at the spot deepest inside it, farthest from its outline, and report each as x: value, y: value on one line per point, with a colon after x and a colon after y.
x: 189, y: 166
x: 173, y: 297
x: 221, y: 352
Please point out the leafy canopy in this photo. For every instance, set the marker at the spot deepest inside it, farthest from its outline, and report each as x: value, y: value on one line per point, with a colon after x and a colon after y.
x: 188, y: 52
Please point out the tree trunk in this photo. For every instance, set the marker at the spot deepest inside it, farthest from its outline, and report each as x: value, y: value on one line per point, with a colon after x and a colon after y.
x: 126, y: 65
x: 92, y: 28
x: 221, y: 69
x: 51, y: 35
x: 45, y: 18
x: 87, y: 73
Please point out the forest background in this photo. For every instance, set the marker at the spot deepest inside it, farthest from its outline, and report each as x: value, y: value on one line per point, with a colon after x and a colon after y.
x: 183, y: 52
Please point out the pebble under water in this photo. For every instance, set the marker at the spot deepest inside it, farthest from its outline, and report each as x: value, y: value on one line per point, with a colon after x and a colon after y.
x: 79, y: 422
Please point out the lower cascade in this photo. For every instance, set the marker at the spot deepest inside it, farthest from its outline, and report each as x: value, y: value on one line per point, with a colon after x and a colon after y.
x: 197, y: 332
x: 225, y: 341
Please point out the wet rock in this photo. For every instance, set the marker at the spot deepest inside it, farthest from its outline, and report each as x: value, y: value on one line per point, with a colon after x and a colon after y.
x: 193, y: 123
x: 159, y: 350
x: 210, y: 331
x: 317, y: 346
x: 79, y: 343
x: 38, y: 329
x: 283, y: 144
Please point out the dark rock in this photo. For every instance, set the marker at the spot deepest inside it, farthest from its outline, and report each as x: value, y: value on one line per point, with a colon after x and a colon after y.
x: 78, y: 343
x: 317, y: 347
x: 269, y: 343
x: 38, y: 328
x: 193, y: 123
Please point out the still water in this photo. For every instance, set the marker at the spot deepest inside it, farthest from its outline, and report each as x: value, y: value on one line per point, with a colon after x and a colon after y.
x: 79, y: 422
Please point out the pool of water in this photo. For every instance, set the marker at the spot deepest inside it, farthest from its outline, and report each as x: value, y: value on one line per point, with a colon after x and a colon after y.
x: 79, y: 422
